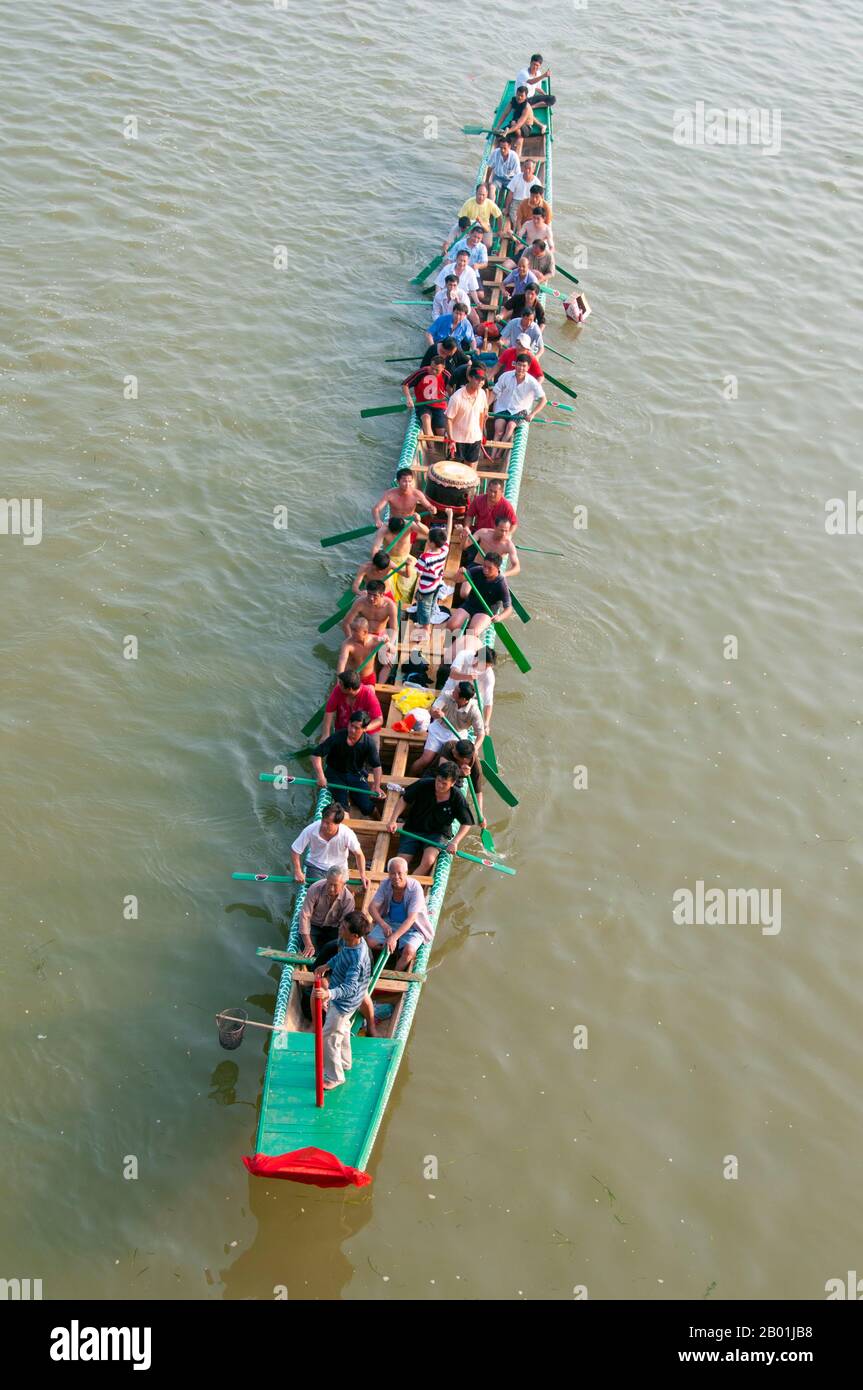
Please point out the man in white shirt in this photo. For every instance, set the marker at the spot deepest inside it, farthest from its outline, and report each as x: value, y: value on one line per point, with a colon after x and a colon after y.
x: 473, y: 662
x: 451, y: 294
x: 468, y: 283
x: 517, y: 396
x: 329, y: 843
x: 531, y: 77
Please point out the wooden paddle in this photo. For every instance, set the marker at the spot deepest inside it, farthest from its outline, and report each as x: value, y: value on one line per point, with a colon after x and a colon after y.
x: 311, y: 724
x: 506, y: 637
x: 348, y: 535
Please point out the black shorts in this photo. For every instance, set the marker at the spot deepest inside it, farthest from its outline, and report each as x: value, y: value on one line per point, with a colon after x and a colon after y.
x: 468, y: 453
x: 437, y: 413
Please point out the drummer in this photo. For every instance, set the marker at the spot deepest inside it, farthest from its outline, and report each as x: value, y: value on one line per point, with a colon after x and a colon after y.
x: 466, y: 414
x: 404, y: 500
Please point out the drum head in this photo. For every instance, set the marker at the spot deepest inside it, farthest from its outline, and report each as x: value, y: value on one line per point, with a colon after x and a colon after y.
x: 451, y: 473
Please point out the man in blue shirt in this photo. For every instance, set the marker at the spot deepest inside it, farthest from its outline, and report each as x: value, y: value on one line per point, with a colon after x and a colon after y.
x: 455, y: 325
x: 348, y: 982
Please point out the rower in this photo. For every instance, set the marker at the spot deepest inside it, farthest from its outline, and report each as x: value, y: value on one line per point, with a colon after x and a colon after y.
x: 528, y: 298
x: 533, y: 208
x: 429, y: 383
x: 497, y: 538
x: 457, y: 230
x: 531, y: 77
x: 480, y: 208
x: 468, y: 277
x: 503, y: 167
x: 452, y: 354
x: 380, y: 566
x: 459, y: 709
x: 473, y: 244
x: 451, y: 294
x: 541, y: 259
x: 345, y: 757
x: 488, y: 507
x: 404, y: 500
x: 329, y: 842
x: 466, y: 414
x: 523, y: 182
x: 533, y: 230
x: 465, y: 756
x: 518, y: 280
x: 400, y: 914
x: 491, y: 586
x: 429, y: 808
x: 396, y: 529
x: 517, y: 120
x: 525, y: 325
x: 455, y: 324
x: 381, y: 612
x: 517, y: 397
x: 324, y: 905
x: 355, y: 648
x: 475, y: 662
x: 350, y: 696
x: 506, y: 360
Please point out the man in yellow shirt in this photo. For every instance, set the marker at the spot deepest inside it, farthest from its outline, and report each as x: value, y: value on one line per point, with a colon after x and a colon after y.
x: 481, y: 209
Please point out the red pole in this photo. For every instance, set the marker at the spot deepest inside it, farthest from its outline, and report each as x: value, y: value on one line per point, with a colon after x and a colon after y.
x: 318, y: 1007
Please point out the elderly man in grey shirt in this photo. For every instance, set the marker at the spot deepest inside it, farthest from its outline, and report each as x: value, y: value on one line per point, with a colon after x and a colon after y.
x: 324, y: 906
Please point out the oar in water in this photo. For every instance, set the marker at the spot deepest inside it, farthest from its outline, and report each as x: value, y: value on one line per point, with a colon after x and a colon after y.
x: 401, y: 359
x: 548, y: 348
x: 463, y: 854
x: 394, y: 409
x: 285, y: 779
x: 310, y: 726
x: 348, y: 535
x: 561, y: 386
x: 416, y: 303
x: 497, y: 782
x: 476, y: 130
x: 485, y: 835
x: 535, y: 551
x: 488, y: 741
x: 517, y: 605
x: 280, y: 878
x: 506, y: 637
x: 424, y: 274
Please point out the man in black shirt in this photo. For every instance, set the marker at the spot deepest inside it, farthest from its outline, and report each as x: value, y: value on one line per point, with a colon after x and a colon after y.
x: 453, y: 356
x: 529, y: 299
x: 488, y: 580
x: 429, y: 809
x: 348, y: 753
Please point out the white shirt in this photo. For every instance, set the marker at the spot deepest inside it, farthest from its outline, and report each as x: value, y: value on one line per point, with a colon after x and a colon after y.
x: 442, y: 304
x: 520, y: 187
x: 467, y: 281
x: 464, y: 669
x: 514, y: 395
x: 524, y: 79
x: 327, y: 854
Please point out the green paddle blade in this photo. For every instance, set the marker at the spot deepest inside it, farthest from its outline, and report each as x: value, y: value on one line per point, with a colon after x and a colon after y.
x: 381, y: 410
x: 424, y: 274
x: 562, y: 386
x: 566, y: 275
x: 476, y: 130
x: 535, y: 551
x: 497, y: 783
x: 512, y: 647
x: 401, y: 359
x: 337, y: 617
x: 265, y: 878
x: 348, y: 535
x: 488, y: 841
x: 309, y: 728
x: 519, y: 608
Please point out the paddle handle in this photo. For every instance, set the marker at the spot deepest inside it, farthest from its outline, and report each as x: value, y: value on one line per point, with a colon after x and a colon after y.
x: 318, y: 1010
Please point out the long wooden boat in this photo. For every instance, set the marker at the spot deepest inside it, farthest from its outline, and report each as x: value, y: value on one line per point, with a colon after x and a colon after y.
x: 331, y: 1146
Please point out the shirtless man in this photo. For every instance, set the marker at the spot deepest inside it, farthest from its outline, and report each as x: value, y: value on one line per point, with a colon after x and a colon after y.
x: 498, y: 539
x: 394, y: 530
x: 380, y: 566
x: 380, y: 611
x: 357, y: 648
x: 404, y: 499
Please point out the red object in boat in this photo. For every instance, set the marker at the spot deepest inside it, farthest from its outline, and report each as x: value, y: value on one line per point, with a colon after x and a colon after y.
x: 314, y: 1166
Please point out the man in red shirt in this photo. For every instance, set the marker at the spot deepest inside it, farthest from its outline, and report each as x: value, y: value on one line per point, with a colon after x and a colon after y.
x: 429, y: 388
x: 488, y: 507
x: 348, y: 695
x: 506, y: 361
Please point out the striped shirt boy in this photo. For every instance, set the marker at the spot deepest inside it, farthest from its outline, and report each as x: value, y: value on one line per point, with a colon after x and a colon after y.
x: 430, y: 567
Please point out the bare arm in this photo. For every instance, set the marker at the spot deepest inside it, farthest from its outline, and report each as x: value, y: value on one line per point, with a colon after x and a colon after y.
x: 318, y: 765
x: 297, y: 867
x: 349, y: 617
x: 343, y: 658
x: 360, y: 862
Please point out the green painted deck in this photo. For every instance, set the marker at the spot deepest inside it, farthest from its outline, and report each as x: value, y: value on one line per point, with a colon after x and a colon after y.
x: 289, y: 1117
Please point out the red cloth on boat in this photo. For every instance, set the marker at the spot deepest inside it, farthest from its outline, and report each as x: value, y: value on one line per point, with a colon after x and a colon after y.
x: 307, y: 1165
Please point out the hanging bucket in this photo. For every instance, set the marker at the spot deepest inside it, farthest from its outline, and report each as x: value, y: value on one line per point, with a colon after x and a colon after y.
x: 232, y: 1026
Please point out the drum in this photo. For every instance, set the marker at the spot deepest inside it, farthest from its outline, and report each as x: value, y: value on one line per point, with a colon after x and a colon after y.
x: 451, y: 484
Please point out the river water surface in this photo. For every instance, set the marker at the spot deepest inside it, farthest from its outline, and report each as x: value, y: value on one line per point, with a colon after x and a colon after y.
x: 714, y: 422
